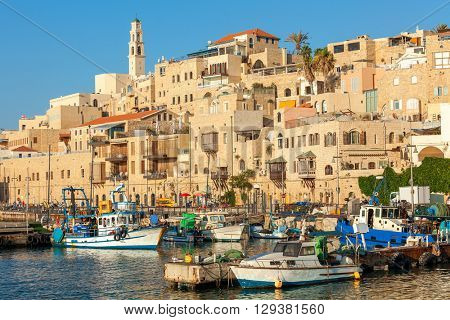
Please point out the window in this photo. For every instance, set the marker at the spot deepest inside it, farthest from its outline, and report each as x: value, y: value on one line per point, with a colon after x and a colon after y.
x: 225, y: 106
x: 396, y: 104
x: 328, y: 170
x: 442, y: 60
x: 396, y: 81
x: 191, y: 75
x: 279, y: 117
x: 287, y: 92
x: 68, y: 174
x: 280, y: 141
x: 133, y: 167
x: 82, y: 173
x: 225, y: 138
x: 391, y: 137
x: 353, y: 46
x: 133, y: 148
x: 185, y: 76
x: 242, y: 165
x: 62, y: 174
x: 371, y: 100
x: 412, y: 104
x: 371, y: 165
x: 286, y: 143
x: 178, y: 78
x: 338, y: 48
x: 142, y: 166
x: 324, y: 106
x: 195, y: 169
x: 35, y: 139
x: 185, y: 98
x: 250, y: 43
x: 413, y: 79
x: 354, y: 84
x: 354, y: 137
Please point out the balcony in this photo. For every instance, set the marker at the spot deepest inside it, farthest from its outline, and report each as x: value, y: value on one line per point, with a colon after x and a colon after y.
x: 118, y: 176
x: 210, y: 142
x: 292, y: 68
x: 277, y: 175
x: 156, y: 175
x: 116, y: 157
x: 160, y: 156
x: 219, y: 175
x: 307, y: 174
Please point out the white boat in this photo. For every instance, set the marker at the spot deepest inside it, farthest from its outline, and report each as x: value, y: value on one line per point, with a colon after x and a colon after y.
x: 293, y: 263
x: 258, y: 232
x: 119, y: 228
x: 214, y: 226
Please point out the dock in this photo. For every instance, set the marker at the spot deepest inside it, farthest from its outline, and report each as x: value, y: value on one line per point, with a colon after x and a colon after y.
x: 21, y: 234
x: 193, y: 276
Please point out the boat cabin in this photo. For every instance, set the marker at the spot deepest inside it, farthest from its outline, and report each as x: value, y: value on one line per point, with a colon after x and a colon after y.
x: 212, y: 220
x: 381, y: 218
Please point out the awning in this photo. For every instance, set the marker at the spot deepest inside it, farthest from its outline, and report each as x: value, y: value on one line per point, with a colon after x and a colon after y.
x: 107, y: 126
x: 287, y: 104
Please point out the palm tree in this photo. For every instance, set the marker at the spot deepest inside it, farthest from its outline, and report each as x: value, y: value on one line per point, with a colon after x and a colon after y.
x: 324, y: 62
x: 307, y: 65
x: 298, y: 39
x: 440, y: 28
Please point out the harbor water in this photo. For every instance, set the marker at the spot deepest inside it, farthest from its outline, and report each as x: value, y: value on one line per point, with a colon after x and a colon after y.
x: 107, y: 274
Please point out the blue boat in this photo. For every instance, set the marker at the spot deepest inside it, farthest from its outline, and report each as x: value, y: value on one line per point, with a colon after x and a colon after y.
x: 385, y: 227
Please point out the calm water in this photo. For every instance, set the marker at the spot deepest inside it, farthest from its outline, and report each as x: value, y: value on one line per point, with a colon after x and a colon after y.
x: 104, y: 274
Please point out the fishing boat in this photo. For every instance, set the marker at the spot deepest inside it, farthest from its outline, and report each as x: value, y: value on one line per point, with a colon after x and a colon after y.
x: 294, y: 263
x: 183, y: 229
x: 214, y: 227
x: 385, y: 228
x: 118, y: 224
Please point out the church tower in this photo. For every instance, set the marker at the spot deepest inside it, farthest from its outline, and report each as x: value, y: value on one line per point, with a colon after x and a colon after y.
x: 136, y: 56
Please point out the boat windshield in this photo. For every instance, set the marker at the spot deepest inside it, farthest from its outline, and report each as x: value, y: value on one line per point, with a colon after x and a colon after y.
x: 217, y: 218
x: 288, y: 249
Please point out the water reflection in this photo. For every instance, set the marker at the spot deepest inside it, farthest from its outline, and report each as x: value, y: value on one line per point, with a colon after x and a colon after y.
x: 109, y: 274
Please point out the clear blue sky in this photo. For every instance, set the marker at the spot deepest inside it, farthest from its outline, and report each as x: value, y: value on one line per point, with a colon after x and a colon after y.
x: 35, y: 67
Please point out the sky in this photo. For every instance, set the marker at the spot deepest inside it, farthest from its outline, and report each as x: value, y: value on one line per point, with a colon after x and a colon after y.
x: 34, y: 67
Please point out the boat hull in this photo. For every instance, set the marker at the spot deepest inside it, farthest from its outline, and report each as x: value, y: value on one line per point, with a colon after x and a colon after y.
x: 376, y: 238
x: 142, y: 239
x: 275, y: 235
x: 228, y: 233
x: 253, y: 277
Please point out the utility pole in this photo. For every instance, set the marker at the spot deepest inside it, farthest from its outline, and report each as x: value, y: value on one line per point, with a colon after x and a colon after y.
x: 48, y: 187
x: 232, y: 149
x: 147, y: 166
x: 190, y: 157
x: 28, y: 196
x: 338, y: 163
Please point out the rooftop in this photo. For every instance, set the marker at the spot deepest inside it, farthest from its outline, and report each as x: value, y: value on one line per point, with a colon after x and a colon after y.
x: 257, y: 32
x: 23, y: 149
x: 122, y: 117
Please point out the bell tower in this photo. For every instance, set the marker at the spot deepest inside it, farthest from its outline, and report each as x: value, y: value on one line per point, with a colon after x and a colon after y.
x: 136, y: 56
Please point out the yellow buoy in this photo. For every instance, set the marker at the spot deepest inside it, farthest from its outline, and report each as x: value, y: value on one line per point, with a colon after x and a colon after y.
x: 188, y: 258
x: 357, y: 275
x: 278, y: 284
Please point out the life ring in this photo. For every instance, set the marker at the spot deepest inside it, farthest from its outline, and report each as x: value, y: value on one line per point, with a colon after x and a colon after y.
x: 117, y: 237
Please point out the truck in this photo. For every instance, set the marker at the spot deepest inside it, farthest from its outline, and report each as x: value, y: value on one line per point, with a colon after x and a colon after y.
x: 421, y: 195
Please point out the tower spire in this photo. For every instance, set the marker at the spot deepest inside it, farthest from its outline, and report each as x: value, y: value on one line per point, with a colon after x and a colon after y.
x: 136, y: 55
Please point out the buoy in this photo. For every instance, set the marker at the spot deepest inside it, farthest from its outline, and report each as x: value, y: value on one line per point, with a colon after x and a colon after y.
x: 278, y: 284
x: 188, y: 258
x: 357, y: 275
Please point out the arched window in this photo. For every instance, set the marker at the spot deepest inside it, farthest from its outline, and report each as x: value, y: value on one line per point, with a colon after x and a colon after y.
x: 250, y: 42
x: 330, y: 139
x: 207, y: 95
x: 191, y: 75
x: 324, y: 106
x: 287, y: 92
x: 280, y: 141
x: 316, y: 106
x: 242, y: 165
x: 104, y: 197
x: 133, y: 37
x: 95, y: 103
x: 132, y: 50
x: 258, y: 64
x: 146, y: 199
x: 328, y: 170
x: 138, y: 37
x: 391, y: 137
x: 139, y: 50
x: 354, y: 137
x: 371, y: 165
x: 279, y: 116
x: 205, y: 170
x: 138, y: 199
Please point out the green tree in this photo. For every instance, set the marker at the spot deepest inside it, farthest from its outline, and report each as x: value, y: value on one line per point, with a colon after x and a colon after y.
x: 299, y: 40
x: 242, y: 182
x: 324, y: 62
x: 441, y: 27
x: 307, y: 65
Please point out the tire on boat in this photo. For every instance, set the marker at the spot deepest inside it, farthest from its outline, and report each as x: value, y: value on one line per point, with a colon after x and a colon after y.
x: 36, y: 241
x: 398, y: 261
x: 117, y: 236
x: 29, y: 240
x: 427, y: 259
